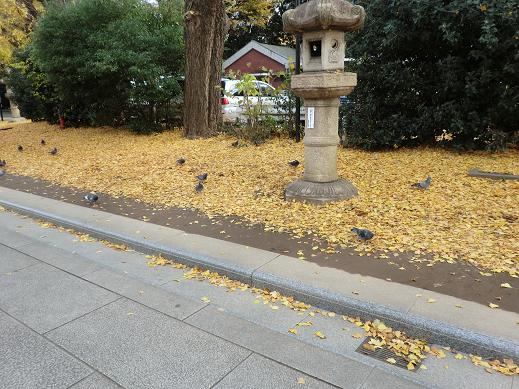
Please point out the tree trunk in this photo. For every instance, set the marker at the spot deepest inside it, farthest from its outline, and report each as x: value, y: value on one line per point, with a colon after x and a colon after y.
x: 205, y: 29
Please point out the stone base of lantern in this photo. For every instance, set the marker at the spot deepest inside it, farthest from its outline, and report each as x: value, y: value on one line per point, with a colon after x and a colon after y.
x: 320, y: 192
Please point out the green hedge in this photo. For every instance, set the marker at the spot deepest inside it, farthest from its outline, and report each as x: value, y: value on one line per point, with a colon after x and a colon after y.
x: 112, y: 61
x: 428, y: 68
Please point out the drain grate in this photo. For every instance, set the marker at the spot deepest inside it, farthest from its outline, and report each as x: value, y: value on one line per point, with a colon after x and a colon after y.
x: 382, y: 354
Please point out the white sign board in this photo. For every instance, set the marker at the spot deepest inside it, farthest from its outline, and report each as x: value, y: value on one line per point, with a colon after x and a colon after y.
x: 310, y: 116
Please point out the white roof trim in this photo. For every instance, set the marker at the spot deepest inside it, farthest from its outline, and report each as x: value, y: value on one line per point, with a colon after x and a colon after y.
x: 258, y: 47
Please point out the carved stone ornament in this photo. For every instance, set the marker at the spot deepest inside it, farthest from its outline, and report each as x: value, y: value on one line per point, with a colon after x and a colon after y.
x: 315, y: 15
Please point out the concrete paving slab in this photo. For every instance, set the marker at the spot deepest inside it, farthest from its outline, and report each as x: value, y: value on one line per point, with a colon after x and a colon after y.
x: 473, y: 315
x: 339, y: 335
x: 239, y: 303
x: 366, y: 288
x: 62, y: 259
x: 257, y: 372
x: 12, y: 260
x: 313, y: 361
x: 96, y: 381
x: 44, y: 298
x: 130, y: 263
x: 27, y: 360
x: 382, y: 380
x: 452, y: 373
x: 171, y: 304
x: 13, y: 239
x: 141, y: 348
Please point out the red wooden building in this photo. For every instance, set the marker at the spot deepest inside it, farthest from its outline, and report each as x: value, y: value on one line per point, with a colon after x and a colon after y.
x: 259, y: 58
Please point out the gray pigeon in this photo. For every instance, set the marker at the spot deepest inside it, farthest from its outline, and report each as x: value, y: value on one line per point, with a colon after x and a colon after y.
x: 425, y: 184
x: 1, y: 172
x: 199, y: 187
x: 3, y: 163
x: 20, y: 148
x: 54, y: 151
x: 294, y: 163
x: 363, y: 233
x: 181, y: 161
x: 91, y: 198
x: 202, y: 177
x: 43, y: 143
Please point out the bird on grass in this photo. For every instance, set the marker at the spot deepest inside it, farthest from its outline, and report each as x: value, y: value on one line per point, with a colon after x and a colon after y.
x: 362, y: 233
x: 199, y: 187
x: 20, y: 148
x: 235, y: 144
x: 181, y: 161
x: 54, y: 151
x: 425, y: 184
x: 91, y: 198
x: 202, y: 177
x: 294, y: 163
x: 43, y: 143
x: 3, y: 163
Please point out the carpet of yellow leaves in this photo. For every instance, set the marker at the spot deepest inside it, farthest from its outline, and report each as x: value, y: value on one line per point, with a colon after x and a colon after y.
x: 459, y: 217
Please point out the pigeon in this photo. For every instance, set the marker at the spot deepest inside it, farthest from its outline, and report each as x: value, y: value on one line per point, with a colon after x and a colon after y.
x: 199, y: 187
x: 43, y: 143
x: 1, y: 172
x: 3, y: 163
x: 425, y: 184
x: 20, y: 148
x: 91, y: 198
x: 294, y: 163
x: 235, y: 144
x: 363, y: 233
x: 181, y: 161
x: 54, y: 151
x: 202, y: 177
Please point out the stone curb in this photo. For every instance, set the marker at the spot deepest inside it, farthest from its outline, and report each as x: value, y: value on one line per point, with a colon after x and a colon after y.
x: 417, y: 326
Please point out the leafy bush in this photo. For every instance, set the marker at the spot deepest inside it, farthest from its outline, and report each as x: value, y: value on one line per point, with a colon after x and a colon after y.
x: 426, y: 68
x: 112, y: 61
x: 33, y: 94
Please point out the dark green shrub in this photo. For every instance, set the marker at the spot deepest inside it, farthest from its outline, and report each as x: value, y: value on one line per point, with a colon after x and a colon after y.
x: 426, y: 68
x: 112, y: 61
x: 33, y: 94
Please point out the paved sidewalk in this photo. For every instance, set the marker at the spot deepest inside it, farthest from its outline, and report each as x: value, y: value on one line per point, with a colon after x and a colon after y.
x: 473, y: 328
x: 78, y: 314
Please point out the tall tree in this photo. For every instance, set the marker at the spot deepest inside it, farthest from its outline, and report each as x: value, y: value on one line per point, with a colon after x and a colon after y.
x: 206, y: 26
x: 205, y: 29
x: 16, y: 20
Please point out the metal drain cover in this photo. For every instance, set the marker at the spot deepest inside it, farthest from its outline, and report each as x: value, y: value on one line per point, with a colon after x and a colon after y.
x: 383, y: 353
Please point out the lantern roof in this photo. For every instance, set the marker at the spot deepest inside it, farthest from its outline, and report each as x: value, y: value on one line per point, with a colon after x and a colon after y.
x: 339, y: 15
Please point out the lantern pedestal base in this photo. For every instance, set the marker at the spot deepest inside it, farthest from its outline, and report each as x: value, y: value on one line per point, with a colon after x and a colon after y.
x: 320, y: 192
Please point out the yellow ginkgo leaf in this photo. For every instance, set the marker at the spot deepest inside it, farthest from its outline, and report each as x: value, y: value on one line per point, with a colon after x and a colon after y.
x: 320, y: 335
x: 506, y: 285
x: 301, y: 381
x: 293, y: 331
x: 492, y: 305
x: 391, y: 360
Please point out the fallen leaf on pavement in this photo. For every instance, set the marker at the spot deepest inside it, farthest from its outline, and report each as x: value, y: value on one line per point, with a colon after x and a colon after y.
x: 319, y: 334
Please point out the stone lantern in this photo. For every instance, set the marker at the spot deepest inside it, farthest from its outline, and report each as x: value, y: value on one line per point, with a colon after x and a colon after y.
x: 322, y: 24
